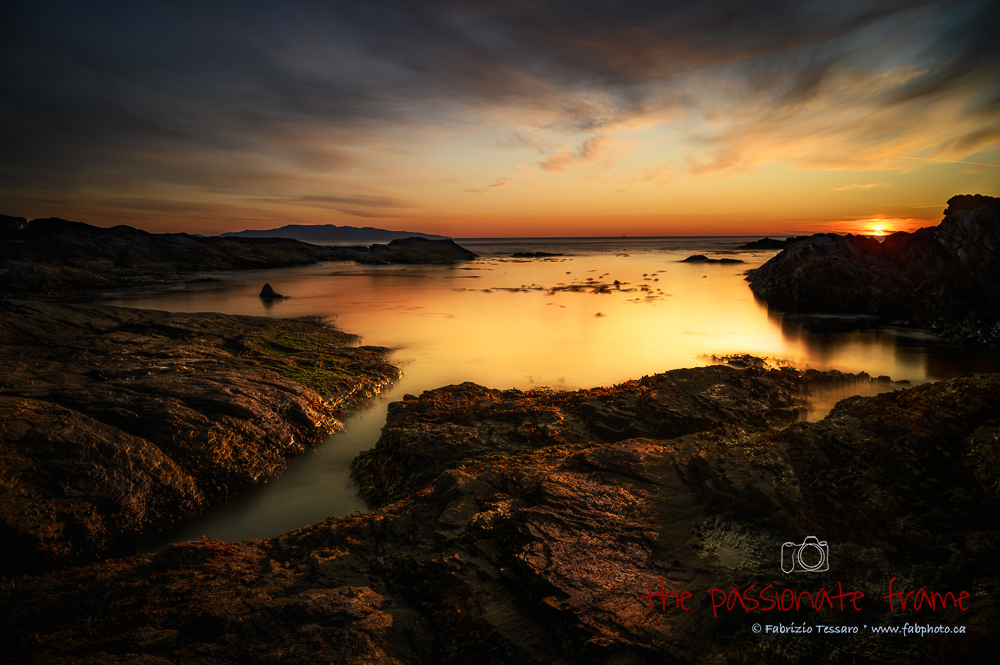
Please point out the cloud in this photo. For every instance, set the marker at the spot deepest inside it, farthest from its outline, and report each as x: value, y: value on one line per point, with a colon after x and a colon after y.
x: 499, y: 182
x: 356, y: 205
x: 226, y: 100
x: 589, y: 150
x: 870, y: 185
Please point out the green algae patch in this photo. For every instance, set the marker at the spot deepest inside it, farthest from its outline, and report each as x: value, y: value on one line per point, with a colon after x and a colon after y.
x: 321, y: 358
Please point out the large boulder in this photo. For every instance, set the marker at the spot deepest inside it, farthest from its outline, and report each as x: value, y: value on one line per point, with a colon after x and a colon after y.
x: 945, y: 277
x: 116, y: 422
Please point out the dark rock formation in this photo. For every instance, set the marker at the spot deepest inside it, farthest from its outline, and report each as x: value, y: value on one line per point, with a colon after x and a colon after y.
x: 416, y: 250
x: 267, y: 293
x: 478, y: 422
x: 556, y: 554
x: 53, y: 257
x: 701, y: 258
x: 770, y: 243
x: 115, y: 422
x: 945, y: 277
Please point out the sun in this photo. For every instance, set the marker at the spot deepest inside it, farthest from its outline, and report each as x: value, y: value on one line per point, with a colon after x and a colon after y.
x: 878, y: 229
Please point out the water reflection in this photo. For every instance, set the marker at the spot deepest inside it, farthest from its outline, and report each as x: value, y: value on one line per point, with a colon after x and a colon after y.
x: 606, y: 311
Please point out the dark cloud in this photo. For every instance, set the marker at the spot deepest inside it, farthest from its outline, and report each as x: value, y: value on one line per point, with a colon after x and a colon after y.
x: 216, y: 95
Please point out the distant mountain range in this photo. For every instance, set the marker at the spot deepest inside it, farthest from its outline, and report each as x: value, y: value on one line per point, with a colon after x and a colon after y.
x: 329, y: 234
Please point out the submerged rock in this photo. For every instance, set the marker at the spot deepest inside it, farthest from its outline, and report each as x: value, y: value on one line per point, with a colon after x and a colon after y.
x: 556, y: 552
x: 116, y: 422
x: 945, y: 277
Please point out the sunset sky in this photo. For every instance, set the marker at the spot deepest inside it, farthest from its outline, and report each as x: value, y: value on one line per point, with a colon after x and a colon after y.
x: 507, y: 118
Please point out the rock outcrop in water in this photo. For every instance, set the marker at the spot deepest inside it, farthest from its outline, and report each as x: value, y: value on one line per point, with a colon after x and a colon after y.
x: 478, y: 422
x: 116, y: 422
x: 945, y: 277
x: 54, y: 257
x: 267, y: 293
x: 701, y: 258
x: 556, y: 552
x: 416, y: 250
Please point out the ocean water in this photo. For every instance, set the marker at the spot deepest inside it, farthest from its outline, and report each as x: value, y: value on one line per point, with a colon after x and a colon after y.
x: 605, y: 311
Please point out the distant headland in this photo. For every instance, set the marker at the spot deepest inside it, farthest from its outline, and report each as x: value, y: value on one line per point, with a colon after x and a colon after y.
x: 330, y: 234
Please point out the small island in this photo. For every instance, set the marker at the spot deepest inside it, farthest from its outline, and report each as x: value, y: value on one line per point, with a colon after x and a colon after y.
x: 701, y: 258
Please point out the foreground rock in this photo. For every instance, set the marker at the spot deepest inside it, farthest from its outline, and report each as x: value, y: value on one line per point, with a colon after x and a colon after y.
x: 424, y: 436
x: 416, y: 250
x: 54, y: 257
x: 550, y: 555
x: 115, y: 422
x: 945, y: 277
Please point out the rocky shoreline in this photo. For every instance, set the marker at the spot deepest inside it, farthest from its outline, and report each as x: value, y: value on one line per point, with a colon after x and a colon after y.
x: 944, y: 278
x: 553, y: 548
x: 55, y: 258
x: 117, y: 422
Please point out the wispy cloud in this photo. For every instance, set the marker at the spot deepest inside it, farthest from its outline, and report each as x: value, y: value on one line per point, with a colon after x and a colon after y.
x: 871, y: 185
x: 588, y: 150
x: 499, y: 182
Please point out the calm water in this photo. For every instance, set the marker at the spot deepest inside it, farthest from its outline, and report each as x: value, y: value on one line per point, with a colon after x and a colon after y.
x: 524, y: 323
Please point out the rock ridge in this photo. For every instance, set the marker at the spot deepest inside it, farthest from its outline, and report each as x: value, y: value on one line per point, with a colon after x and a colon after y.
x: 116, y: 422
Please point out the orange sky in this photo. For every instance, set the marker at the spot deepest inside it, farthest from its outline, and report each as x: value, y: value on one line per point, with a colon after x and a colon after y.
x: 517, y: 120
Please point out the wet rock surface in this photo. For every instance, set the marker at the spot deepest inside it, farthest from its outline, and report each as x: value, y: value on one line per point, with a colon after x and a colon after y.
x: 550, y: 554
x: 115, y: 422
x: 425, y: 435
x: 945, y: 277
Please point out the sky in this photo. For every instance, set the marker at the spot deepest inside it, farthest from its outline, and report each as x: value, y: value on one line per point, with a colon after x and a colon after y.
x: 500, y: 119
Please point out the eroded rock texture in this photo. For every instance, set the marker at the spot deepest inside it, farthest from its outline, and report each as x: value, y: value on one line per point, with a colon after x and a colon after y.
x: 115, y: 422
x: 425, y: 435
x: 945, y: 277
x: 548, y: 555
